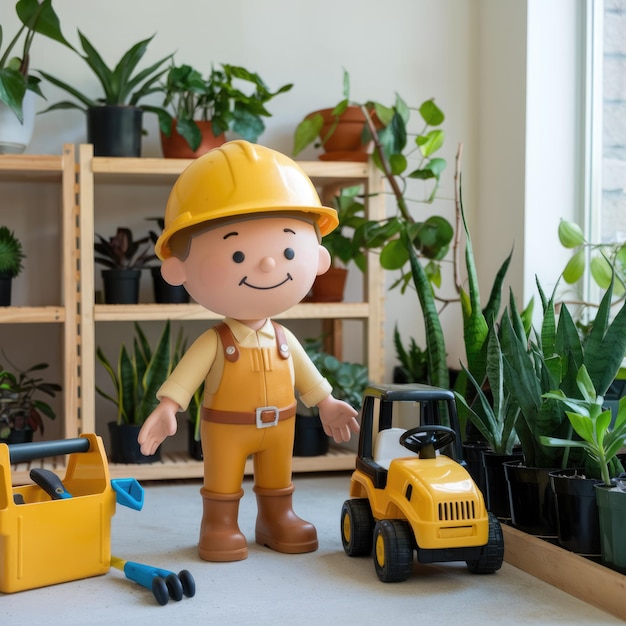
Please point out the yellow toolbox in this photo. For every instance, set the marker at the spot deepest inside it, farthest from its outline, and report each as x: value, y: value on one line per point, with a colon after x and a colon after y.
x: 45, y: 541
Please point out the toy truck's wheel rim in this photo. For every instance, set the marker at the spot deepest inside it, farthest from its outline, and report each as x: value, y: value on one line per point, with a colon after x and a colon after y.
x: 393, y: 550
x: 357, y: 527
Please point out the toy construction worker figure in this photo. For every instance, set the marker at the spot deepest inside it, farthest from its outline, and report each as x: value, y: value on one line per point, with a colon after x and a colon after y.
x: 242, y: 233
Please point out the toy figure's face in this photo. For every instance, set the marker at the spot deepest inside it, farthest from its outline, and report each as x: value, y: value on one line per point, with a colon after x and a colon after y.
x: 251, y: 269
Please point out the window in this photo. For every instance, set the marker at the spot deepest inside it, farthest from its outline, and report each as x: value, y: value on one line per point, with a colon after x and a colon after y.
x: 607, y: 65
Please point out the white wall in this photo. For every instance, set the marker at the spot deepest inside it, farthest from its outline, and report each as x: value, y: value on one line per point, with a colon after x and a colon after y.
x: 471, y: 55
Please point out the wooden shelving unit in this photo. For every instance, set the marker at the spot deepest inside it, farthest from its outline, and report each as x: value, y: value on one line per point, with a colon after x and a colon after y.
x: 60, y: 170
x: 100, y: 171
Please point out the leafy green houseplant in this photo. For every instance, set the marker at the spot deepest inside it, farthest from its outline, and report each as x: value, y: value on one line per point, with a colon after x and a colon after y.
x: 413, y: 367
x: 36, y: 17
x: 136, y: 377
x: 114, y: 118
x: 493, y: 411
x: 404, y: 155
x: 606, y: 261
x: 21, y: 408
x: 123, y: 257
x: 600, y: 437
x: 348, y: 381
x: 11, y: 257
x: 228, y: 98
x: 550, y: 361
x: 11, y: 254
x: 591, y: 422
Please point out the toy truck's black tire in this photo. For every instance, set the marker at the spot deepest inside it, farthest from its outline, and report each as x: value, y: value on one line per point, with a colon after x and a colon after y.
x: 393, y: 550
x: 492, y: 554
x: 357, y: 527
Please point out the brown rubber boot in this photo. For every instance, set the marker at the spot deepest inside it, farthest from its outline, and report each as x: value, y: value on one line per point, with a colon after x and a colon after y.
x: 220, y: 537
x: 278, y: 527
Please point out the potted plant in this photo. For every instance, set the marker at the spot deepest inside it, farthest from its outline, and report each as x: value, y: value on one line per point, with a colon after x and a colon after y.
x: 136, y: 377
x: 197, y: 111
x: 341, y: 131
x: 493, y: 413
x: 577, y: 490
x: 113, y: 119
x: 21, y: 409
x: 413, y: 367
x: 348, y: 381
x: 11, y: 257
x: 343, y: 245
x: 124, y: 258
x: 164, y: 292
x: 18, y: 86
x: 549, y: 361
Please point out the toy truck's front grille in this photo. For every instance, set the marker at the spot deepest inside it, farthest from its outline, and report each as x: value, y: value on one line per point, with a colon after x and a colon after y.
x: 457, y: 510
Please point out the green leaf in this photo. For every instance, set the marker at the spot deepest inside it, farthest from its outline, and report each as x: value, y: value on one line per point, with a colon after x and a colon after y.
x: 394, y: 255
x: 570, y: 234
x: 601, y: 270
x: 431, y: 142
x: 431, y: 113
x: 306, y: 132
x: 575, y: 267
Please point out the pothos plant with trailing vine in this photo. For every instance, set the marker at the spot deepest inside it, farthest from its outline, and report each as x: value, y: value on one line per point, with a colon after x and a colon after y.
x: 414, y: 245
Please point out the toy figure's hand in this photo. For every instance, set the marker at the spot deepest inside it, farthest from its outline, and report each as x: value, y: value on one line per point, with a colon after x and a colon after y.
x: 338, y: 419
x: 160, y: 424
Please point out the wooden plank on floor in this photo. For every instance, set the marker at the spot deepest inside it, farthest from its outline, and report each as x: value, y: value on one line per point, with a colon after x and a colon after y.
x: 579, y: 576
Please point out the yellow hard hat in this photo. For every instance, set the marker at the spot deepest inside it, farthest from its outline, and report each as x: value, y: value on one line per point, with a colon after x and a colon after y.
x: 240, y: 178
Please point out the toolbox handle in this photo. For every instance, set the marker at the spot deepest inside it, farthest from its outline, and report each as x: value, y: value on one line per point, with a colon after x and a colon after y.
x: 22, y: 452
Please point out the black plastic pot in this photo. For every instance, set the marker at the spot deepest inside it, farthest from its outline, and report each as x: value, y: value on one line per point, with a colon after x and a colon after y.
x: 164, y: 293
x: 19, y: 435
x: 496, y: 489
x: 310, y: 438
x: 124, y: 446
x: 473, y: 455
x: 121, y: 286
x: 612, y: 513
x: 115, y: 131
x: 531, y: 499
x: 577, y: 520
x: 5, y: 290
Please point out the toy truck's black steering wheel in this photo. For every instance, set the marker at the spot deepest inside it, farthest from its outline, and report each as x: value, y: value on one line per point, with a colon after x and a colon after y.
x: 415, y: 439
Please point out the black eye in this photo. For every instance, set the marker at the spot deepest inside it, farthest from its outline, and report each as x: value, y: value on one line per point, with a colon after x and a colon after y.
x: 239, y: 256
x: 289, y: 253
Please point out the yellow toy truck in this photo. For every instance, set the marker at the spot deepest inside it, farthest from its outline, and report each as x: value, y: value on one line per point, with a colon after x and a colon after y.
x: 410, y: 491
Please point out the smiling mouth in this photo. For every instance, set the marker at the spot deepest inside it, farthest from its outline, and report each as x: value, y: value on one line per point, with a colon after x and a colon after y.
x: 244, y: 281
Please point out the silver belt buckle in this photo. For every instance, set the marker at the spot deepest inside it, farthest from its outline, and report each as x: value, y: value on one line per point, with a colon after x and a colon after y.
x: 259, y: 416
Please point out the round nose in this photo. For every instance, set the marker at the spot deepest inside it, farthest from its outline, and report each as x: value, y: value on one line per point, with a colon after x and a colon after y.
x: 267, y: 264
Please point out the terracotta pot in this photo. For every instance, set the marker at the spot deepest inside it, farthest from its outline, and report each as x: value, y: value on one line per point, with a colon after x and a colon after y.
x: 329, y: 287
x: 345, y: 143
x: 176, y: 147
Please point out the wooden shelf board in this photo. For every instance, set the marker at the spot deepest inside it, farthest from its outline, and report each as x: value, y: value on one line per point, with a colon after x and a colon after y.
x: 19, y: 167
x: 179, y: 465
x: 31, y: 314
x: 147, y: 312
x: 579, y: 576
x: 118, y: 170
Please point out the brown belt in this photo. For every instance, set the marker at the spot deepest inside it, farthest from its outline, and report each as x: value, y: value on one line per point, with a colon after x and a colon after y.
x: 263, y: 417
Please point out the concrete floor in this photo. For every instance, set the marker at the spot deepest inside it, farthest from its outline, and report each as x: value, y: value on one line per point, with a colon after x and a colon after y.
x: 270, y: 588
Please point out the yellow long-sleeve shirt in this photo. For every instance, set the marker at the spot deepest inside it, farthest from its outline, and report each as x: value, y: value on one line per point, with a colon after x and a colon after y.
x: 204, y: 361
